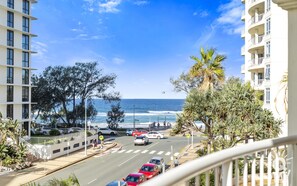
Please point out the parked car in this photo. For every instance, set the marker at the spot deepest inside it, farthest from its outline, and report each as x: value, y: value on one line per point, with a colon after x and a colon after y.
x: 141, y: 140
x: 75, y: 129
x: 159, y: 161
x: 134, y: 179
x: 117, y: 183
x: 139, y: 132
x: 150, y: 170
x: 154, y: 134
x: 106, y: 131
x: 129, y: 132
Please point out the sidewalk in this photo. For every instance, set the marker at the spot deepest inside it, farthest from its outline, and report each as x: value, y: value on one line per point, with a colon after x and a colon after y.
x: 43, y: 168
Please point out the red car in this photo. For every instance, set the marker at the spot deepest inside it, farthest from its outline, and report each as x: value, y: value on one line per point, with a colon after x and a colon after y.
x: 150, y: 170
x: 135, y: 179
x: 139, y: 132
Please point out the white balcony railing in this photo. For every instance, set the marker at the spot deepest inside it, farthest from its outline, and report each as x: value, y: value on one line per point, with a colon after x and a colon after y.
x: 266, y: 160
x: 256, y: 19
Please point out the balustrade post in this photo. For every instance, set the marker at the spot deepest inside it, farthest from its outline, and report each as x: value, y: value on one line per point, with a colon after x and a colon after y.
x: 227, y: 174
x: 197, y: 180
x: 262, y: 169
x: 245, y: 172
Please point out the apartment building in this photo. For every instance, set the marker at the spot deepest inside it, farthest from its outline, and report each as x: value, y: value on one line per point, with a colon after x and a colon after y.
x: 266, y: 53
x: 15, y: 60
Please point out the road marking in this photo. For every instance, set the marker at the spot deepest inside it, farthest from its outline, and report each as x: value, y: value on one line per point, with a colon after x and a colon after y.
x: 161, y: 152
x: 129, y: 151
x: 121, y: 151
x: 167, y: 154
x: 114, y: 151
x: 136, y: 151
x: 92, y: 181
x: 145, y: 151
x: 128, y: 160
x: 152, y: 152
x: 176, y: 154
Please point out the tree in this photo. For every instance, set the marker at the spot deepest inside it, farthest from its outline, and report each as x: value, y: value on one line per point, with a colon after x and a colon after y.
x: 59, y: 88
x: 185, y: 83
x: 115, y: 116
x: 209, y: 68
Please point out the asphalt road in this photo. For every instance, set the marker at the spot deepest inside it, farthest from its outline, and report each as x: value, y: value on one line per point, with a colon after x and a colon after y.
x: 118, y: 163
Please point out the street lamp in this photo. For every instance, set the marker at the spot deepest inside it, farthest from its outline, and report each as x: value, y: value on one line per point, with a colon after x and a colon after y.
x: 134, y: 117
x: 86, y: 126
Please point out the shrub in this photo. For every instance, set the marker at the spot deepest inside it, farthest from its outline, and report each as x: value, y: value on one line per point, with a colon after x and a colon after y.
x: 54, y: 132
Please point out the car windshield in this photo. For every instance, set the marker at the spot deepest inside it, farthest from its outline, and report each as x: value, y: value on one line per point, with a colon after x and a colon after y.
x: 147, y: 168
x: 139, y: 137
x: 132, y: 178
x: 157, y: 162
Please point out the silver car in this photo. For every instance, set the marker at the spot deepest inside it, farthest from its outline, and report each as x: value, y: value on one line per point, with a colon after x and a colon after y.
x: 159, y: 161
x: 141, y: 140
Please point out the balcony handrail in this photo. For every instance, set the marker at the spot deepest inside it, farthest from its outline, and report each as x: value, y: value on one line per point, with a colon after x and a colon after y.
x: 195, y: 167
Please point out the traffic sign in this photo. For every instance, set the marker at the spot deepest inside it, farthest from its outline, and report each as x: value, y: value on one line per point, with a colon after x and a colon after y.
x: 188, y: 135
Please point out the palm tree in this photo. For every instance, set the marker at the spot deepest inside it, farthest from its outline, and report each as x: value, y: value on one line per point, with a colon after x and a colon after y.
x: 209, y: 68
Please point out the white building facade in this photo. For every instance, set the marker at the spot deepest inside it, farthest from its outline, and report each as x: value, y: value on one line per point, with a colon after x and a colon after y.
x: 266, y: 54
x: 15, y: 60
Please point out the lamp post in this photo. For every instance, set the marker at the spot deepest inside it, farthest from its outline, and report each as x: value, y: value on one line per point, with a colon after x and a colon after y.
x: 134, y: 117
x: 86, y: 126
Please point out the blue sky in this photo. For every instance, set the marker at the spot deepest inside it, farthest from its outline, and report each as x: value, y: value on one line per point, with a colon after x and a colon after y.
x: 144, y: 42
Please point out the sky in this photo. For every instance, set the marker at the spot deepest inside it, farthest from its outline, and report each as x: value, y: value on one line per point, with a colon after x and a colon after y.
x: 143, y: 42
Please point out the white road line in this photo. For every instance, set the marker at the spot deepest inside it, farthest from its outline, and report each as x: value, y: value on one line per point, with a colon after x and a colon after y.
x: 167, y: 154
x: 92, y: 181
x: 129, y: 151
x: 121, y: 151
x: 161, y: 152
x: 152, y: 152
x: 128, y: 160
x: 145, y: 151
x: 136, y: 151
x: 176, y: 154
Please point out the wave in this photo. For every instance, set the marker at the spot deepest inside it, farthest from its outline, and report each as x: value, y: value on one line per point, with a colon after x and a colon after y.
x: 165, y: 112
x: 150, y: 113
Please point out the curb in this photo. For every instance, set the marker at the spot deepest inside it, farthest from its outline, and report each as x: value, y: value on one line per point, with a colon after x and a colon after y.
x: 74, y: 162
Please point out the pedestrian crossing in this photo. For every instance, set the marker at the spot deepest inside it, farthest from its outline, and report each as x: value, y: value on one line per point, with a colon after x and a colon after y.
x: 133, y: 151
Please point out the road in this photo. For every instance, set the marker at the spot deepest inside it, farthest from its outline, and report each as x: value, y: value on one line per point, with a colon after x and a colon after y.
x: 118, y: 163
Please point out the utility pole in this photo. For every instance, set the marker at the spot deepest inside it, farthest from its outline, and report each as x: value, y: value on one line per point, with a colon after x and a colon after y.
x: 134, y: 117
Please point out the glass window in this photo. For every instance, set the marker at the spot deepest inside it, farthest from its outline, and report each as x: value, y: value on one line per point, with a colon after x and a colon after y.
x: 25, y: 24
x: 9, y: 111
x: 25, y: 111
x: 9, y: 75
x: 25, y: 42
x: 10, y: 4
x: 10, y: 38
x: 25, y: 93
x: 268, y: 5
x: 25, y: 76
x: 10, y: 19
x: 10, y: 56
x: 267, y: 95
x: 267, y: 49
x: 9, y: 93
x: 268, y: 26
x: 26, y: 7
x: 267, y: 72
x: 25, y: 59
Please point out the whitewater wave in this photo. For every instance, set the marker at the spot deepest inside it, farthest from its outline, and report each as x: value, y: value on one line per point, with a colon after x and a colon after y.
x: 150, y: 113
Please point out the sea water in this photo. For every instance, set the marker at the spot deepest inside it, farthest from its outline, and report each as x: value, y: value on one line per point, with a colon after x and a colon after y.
x: 141, y: 111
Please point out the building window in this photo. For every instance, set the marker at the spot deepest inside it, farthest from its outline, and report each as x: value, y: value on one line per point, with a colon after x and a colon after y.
x: 268, y: 95
x: 10, y: 56
x: 25, y: 76
x: 268, y: 26
x: 10, y: 4
x: 25, y: 93
x: 26, y: 7
x: 25, y: 59
x: 267, y: 72
x: 25, y: 24
x: 268, y: 5
x: 267, y: 49
x: 9, y: 111
x: 25, y: 42
x: 10, y: 19
x: 10, y: 38
x: 9, y: 93
x: 25, y: 111
x: 9, y: 75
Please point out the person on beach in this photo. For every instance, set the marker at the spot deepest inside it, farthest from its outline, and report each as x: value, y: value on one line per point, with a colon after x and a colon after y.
x: 101, y: 138
x: 176, y: 163
x: 94, y: 144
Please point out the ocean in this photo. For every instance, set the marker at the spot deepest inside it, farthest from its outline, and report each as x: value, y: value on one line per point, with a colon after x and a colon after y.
x: 144, y: 111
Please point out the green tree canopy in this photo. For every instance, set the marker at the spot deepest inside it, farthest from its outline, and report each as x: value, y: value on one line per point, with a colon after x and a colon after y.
x: 115, y: 116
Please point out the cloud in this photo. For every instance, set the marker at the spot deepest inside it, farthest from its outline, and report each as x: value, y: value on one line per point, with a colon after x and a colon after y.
x: 206, y: 36
x: 109, y: 6
x: 230, y: 14
x: 140, y: 2
x: 203, y: 13
x: 40, y: 48
x: 118, y: 61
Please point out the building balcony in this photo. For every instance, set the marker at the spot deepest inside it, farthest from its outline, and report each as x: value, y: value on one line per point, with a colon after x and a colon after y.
x: 243, y: 1
x: 243, y: 16
x: 267, y: 161
x: 242, y: 69
x: 243, y: 33
x: 243, y: 50
x: 256, y: 64
x: 256, y: 5
x: 256, y: 43
x: 258, y: 84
